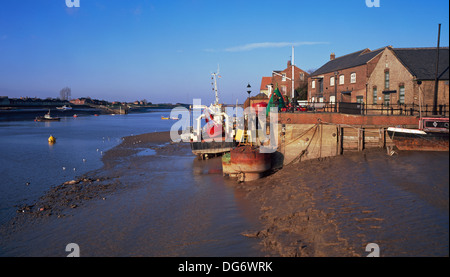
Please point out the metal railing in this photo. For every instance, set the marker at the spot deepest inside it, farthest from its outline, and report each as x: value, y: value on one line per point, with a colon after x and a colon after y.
x: 373, y: 109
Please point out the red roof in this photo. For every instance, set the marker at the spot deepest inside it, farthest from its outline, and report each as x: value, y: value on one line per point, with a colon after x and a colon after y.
x: 265, y: 81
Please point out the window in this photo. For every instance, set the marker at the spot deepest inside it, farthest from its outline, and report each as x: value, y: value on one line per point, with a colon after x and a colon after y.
x: 386, y: 80
x: 302, y: 76
x: 283, y: 77
x: 332, y: 81
x: 313, y: 84
x: 341, y: 79
x: 283, y: 90
x: 375, y: 95
x: 401, y: 95
x: 359, y: 99
x: 320, y: 85
x: 332, y: 99
x: 353, y: 78
x: 387, y: 99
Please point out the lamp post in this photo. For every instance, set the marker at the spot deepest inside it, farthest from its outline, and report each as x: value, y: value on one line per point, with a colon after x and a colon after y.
x: 248, y: 89
x: 335, y: 90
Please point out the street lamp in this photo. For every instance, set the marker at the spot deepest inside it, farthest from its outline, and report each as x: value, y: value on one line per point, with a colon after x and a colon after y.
x: 335, y: 90
x: 248, y: 90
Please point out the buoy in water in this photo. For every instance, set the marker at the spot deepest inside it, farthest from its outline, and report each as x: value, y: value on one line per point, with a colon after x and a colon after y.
x: 51, y: 139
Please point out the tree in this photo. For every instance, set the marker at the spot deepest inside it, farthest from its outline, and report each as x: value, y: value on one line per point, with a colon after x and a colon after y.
x: 65, y: 93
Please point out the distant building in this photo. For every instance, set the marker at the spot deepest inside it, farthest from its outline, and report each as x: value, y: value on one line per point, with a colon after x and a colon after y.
x: 266, y: 83
x: 4, y: 101
x: 283, y: 79
x: 79, y: 101
x: 343, y: 79
x: 384, y: 76
x: 394, y: 79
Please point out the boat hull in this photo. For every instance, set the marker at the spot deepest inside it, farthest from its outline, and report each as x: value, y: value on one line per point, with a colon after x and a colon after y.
x: 246, y: 163
x: 42, y: 119
x: 426, y: 141
x: 212, y: 147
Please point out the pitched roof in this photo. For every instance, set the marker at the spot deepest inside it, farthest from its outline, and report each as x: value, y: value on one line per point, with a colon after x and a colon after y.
x: 421, y: 62
x: 350, y: 60
x: 264, y: 82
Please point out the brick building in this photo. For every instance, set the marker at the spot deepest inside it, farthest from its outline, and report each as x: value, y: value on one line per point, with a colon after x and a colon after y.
x: 282, y: 79
x: 343, y: 79
x: 266, y: 88
x: 394, y: 79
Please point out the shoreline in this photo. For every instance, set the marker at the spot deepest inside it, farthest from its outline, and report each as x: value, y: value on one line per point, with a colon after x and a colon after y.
x: 300, y: 214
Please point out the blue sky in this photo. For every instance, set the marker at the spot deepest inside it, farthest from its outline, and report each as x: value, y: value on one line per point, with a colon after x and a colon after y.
x: 165, y: 51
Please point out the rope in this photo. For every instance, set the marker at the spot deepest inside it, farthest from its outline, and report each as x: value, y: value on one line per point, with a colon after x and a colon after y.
x: 302, y: 134
x: 306, y: 149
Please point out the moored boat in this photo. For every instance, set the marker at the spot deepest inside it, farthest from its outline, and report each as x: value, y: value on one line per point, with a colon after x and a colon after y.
x: 65, y: 108
x: 215, y: 137
x: 46, y: 117
x: 432, y: 135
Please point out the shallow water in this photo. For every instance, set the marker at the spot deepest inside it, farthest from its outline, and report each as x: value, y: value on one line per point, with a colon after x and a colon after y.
x: 169, y: 204
x: 27, y: 157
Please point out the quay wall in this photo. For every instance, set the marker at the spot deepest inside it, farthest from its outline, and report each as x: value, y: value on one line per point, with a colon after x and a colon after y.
x: 318, y: 135
x: 349, y: 119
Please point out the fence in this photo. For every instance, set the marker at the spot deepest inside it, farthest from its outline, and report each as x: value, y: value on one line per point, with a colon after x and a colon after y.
x: 377, y: 109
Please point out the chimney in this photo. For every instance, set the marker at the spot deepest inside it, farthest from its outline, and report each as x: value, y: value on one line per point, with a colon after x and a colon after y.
x: 289, y: 64
x: 332, y: 56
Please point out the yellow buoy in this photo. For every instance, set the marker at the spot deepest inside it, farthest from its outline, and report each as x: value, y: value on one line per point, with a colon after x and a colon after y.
x: 51, y: 139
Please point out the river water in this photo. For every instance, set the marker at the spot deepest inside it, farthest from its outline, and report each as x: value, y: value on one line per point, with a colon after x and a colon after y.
x: 172, y: 204
x: 175, y: 205
x: 27, y: 157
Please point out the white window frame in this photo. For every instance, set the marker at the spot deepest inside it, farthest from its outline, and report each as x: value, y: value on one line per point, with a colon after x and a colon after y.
x: 283, y: 77
x: 353, y: 78
x: 332, y: 81
x: 341, y: 79
x: 401, y: 94
x: 313, y: 84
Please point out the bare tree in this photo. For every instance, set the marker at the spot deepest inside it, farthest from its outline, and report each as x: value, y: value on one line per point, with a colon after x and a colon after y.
x: 65, y: 93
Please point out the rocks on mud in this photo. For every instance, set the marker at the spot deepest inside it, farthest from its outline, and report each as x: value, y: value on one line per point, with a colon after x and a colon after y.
x: 70, y: 195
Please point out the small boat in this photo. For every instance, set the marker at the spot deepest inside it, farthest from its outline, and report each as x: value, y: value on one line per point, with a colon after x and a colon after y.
x: 47, y: 117
x: 165, y: 118
x: 75, y: 115
x: 65, y: 108
x: 432, y: 135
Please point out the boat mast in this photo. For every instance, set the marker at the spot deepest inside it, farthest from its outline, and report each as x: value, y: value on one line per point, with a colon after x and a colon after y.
x: 215, y: 85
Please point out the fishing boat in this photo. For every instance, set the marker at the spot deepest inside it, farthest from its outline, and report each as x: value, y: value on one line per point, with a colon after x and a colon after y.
x: 65, y: 108
x: 216, y: 136
x: 432, y: 135
x: 47, y: 117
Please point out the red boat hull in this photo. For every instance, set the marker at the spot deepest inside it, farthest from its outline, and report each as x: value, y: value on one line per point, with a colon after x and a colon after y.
x: 246, y: 162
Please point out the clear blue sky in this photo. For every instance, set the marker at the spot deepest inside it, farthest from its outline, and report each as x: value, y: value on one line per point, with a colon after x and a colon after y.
x: 165, y: 51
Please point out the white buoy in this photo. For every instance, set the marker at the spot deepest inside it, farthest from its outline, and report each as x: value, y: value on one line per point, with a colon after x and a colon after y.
x: 64, y: 168
x: 84, y: 160
x: 74, y: 169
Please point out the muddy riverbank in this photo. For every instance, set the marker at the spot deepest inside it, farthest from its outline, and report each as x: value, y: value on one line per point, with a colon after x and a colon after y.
x: 337, y: 206
x: 154, y: 198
